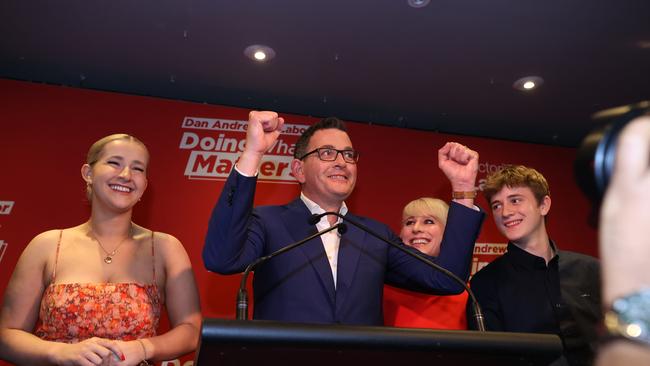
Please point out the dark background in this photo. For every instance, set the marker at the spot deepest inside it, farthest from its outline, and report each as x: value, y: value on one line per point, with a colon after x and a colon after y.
x: 448, y: 66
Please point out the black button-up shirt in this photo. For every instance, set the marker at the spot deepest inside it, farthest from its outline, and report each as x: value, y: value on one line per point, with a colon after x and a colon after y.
x: 518, y: 292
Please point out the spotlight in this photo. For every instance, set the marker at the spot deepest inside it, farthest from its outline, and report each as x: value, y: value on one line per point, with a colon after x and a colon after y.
x: 528, y: 83
x: 259, y: 53
x: 418, y: 3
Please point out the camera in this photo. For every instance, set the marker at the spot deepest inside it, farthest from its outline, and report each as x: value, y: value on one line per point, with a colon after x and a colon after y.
x: 594, y: 162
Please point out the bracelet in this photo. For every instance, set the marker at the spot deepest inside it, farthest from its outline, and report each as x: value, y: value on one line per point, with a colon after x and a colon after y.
x: 628, y: 319
x: 144, y: 361
x: 463, y: 195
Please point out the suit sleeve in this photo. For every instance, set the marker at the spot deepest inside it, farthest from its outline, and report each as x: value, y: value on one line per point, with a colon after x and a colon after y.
x: 235, y: 234
x: 462, y: 229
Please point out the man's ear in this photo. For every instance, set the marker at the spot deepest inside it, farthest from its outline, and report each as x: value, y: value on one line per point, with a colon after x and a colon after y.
x: 297, y: 170
x: 545, y: 206
x: 87, y: 173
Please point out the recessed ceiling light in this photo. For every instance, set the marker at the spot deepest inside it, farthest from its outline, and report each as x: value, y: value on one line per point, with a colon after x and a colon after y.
x: 644, y: 44
x: 528, y: 83
x: 418, y: 3
x: 259, y: 53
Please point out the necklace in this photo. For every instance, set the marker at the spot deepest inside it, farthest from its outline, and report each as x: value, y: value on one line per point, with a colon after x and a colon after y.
x: 109, y: 255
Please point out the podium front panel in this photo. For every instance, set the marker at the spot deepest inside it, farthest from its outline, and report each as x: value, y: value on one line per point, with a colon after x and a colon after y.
x: 254, y: 342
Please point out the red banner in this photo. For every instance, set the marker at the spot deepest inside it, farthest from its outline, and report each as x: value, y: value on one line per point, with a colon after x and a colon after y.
x: 46, y: 131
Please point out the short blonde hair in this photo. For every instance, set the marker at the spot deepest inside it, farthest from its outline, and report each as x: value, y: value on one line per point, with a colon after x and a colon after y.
x: 427, y: 206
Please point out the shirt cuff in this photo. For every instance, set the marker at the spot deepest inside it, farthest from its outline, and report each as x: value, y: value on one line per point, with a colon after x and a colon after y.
x: 246, y: 175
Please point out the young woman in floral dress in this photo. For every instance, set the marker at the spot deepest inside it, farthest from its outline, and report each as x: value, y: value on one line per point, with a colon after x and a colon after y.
x: 92, y: 294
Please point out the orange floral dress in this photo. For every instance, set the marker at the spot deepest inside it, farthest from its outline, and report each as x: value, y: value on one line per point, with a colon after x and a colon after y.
x: 72, y: 312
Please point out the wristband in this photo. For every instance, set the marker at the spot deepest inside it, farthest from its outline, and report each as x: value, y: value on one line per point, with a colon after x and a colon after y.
x: 463, y: 195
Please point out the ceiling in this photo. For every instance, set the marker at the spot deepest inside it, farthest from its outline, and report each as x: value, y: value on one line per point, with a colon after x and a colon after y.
x: 448, y: 66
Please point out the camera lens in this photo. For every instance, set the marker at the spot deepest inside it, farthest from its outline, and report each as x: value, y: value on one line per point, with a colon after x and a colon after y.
x: 595, y: 159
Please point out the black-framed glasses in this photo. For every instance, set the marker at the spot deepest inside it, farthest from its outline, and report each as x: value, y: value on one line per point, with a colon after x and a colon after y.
x: 330, y: 154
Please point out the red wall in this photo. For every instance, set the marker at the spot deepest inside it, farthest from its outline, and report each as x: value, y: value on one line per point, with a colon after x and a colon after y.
x: 45, y: 132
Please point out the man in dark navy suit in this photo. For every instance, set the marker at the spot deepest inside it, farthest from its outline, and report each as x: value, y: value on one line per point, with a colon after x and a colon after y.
x: 334, y: 278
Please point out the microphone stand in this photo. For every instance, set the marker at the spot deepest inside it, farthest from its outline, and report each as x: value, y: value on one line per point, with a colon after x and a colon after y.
x: 476, y: 308
x: 242, y: 294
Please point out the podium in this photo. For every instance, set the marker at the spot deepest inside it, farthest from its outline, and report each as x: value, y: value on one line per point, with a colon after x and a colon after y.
x: 259, y: 342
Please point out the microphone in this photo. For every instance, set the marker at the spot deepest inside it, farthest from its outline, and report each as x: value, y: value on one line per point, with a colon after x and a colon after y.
x: 242, y: 294
x: 476, y: 308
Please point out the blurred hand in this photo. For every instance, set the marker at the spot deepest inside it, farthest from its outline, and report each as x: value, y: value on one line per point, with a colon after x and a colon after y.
x: 625, y: 215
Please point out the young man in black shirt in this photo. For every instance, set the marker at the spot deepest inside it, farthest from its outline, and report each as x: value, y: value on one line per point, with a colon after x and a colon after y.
x: 535, y: 287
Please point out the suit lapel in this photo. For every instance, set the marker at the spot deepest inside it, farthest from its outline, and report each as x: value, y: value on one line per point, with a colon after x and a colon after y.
x: 295, y: 220
x: 349, y: 251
